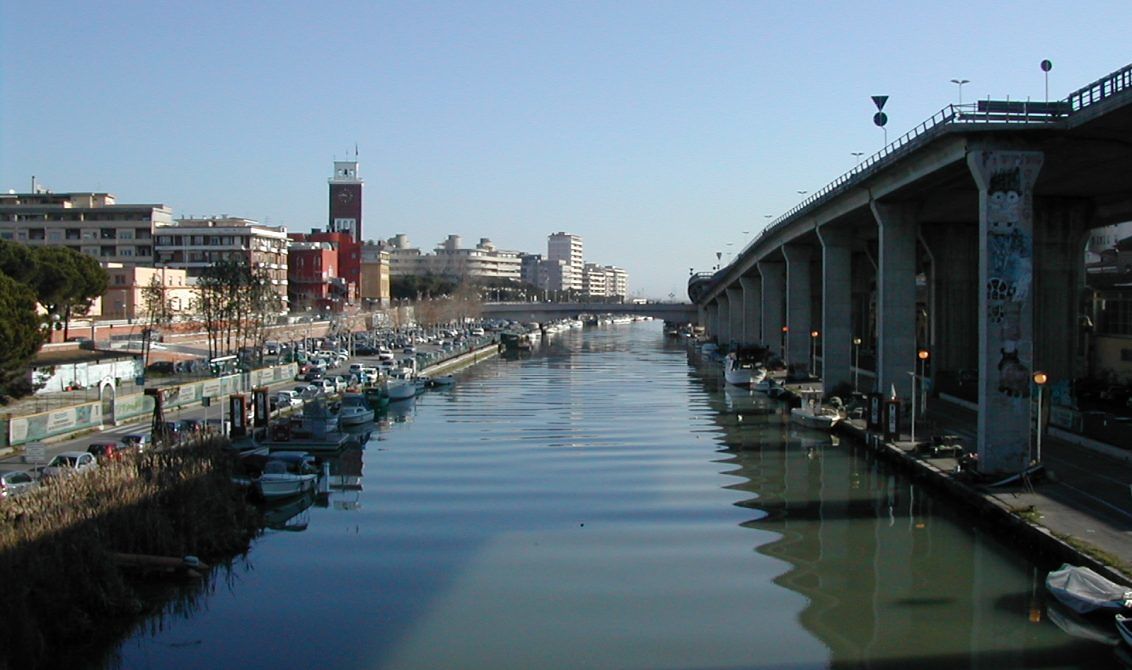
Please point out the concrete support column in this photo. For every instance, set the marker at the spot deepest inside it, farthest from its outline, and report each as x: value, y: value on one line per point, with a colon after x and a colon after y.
x: 799, y: 320
x: 837, y: 307
x: 896, y: 297
x: 1060, y: 232
x: 752, y: 310
x: 953, y: 307
x: 774, y: 303
x: 723, y: 335
x: 735, y: 307
x: 702, y: 315
x: 711, y: 323
x: 1006, y: 305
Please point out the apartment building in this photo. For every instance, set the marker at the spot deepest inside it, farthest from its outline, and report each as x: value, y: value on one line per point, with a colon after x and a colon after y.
x: 193, y: 244
x: 90, y: 223
x: 566, y: 249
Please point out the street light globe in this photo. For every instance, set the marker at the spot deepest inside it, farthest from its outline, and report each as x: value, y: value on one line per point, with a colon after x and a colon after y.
x: 1040, y: 378
x: 813, y: 333
x: 785, y: 329
x: 923, y: 354
x: 857, y: 340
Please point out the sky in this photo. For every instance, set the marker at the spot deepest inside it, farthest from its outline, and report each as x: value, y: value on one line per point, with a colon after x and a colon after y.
x: 664, y: 133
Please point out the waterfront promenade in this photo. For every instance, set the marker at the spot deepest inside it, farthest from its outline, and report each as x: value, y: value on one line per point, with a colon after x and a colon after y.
x: 1078, y: 510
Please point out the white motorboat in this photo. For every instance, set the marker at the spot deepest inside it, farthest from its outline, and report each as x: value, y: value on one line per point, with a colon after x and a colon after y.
x: 355, y: 410
x: 278, y: 481
x: 742, y: 371
x: 1083, y: 590
x: 402, y: 384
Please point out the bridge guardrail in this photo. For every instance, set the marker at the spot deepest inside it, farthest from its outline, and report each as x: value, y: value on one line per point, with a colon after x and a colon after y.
x: 981, y: 112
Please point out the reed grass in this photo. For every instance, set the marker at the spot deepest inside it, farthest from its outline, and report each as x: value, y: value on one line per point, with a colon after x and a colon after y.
x: 57, y: 579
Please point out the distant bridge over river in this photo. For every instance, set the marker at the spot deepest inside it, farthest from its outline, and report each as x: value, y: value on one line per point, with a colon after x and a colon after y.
x: 546, y: 311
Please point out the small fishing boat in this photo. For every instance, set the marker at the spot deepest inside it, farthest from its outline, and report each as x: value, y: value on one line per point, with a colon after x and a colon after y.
x: 812, y: 414
x: 279, y: 480
x: 355, y: 410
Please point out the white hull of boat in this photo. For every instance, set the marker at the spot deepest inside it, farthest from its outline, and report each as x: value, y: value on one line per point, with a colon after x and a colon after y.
x: 820, y: 420
x: 401, y: 389
x: 354, y: 416
x: 274, y: 486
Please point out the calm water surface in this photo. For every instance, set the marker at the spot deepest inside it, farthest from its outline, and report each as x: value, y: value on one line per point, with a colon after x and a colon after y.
x: 606, y: 504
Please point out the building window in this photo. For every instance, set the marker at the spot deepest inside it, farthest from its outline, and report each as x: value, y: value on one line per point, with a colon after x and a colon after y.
x: 106, y: 252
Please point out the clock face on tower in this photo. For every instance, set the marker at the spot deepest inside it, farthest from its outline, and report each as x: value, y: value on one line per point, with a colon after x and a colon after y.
x: 345, y: 196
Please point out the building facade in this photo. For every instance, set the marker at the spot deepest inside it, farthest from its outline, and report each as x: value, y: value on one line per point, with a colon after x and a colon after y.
x: 126, y: 289
x: 605, y: 282
x: 374, y: 289
x: 90, y: 223
x: 566, y: 249
x: 195, y: 244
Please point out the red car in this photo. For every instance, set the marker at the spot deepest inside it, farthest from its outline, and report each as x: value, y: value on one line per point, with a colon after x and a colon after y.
x: 105, y: 451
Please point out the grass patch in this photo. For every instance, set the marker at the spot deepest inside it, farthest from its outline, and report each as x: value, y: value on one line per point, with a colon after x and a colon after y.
x: 55, y: 543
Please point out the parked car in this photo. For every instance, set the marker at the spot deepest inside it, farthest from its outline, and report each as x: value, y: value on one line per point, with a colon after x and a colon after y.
x: 16, y: 482
x: 161, y: 367
x: 139, y: 440
x: 69, y: 463
x: 105, y: 451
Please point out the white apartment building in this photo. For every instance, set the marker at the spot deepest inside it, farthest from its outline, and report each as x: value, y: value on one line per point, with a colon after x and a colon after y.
x: 567, y: 249
x: 605, y: 281
x: 90, y: 223
x: 451, y: 259
x: 196, y: 243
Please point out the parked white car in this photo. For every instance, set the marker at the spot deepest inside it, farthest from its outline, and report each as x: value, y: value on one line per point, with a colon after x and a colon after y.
x: 69, y: 463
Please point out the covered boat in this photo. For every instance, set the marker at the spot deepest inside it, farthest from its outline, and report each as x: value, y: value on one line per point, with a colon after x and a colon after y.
x: 1083, y: 590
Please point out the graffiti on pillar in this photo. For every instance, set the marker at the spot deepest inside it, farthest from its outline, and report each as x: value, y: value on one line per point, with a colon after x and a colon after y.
x: 1010, y: 264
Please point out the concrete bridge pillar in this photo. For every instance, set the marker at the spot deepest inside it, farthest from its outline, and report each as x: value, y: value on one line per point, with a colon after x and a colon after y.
x: 799, y: 296
x: 837, y: 306
x: 1006, y: 304
x: 774, y: 300
x: 752, y: 310
x: 953, y: 306
x: 896, y: 297
x: 735, y: 308
x: 723, y: 334
x: 711, y: 323
x: 1061, y: 229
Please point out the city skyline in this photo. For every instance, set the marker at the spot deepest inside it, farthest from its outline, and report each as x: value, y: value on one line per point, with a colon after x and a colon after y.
x: 663, y: 134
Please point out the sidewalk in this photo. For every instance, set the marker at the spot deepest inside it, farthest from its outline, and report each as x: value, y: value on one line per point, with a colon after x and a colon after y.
x: 1080, y: 508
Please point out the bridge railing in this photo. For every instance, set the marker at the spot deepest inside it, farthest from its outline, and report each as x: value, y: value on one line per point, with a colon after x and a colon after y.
x: 981, y: 112
x: 1101, y: 89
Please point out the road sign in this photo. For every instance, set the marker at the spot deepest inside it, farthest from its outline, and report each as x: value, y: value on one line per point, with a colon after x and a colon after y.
x: 879, y: 101
x: 1046, y: 66
x: 35, y: 452
x: 880, y: 118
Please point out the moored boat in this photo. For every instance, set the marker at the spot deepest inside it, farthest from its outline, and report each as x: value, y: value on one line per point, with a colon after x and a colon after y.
x: 355, y: 410
x: 812, y: 414
x: 1083, y: 590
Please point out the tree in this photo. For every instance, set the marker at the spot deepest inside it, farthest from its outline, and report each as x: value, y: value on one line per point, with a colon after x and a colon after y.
x: 21, y: 335
x: 66, y: 281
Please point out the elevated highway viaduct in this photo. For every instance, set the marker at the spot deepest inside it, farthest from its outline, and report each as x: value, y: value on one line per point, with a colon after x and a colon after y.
x: 964, y: 240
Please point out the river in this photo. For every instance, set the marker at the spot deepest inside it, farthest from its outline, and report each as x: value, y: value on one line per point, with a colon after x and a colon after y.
x: 606, y: 504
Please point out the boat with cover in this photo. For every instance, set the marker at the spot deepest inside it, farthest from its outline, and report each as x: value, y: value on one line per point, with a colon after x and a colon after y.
x: 741, y: 371
x: 1124, y: 627
x: 1083, y: 590
x: 285, y: 475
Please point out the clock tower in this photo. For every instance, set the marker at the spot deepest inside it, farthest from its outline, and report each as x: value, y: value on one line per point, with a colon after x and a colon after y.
x: 346, y: 200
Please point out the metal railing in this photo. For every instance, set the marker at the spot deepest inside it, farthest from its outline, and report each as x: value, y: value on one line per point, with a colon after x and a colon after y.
x: 980, y: 112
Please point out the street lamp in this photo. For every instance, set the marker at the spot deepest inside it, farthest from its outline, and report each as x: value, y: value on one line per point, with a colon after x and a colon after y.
x: 1040, y: 378
x: 857, y: 155
x: 813, y: 353
x: 856, y: 361
x: 785, y: 329
x: 959, y: 83
x: 922, y: 355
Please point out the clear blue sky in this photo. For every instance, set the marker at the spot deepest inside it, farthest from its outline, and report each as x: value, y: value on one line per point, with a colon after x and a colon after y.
x: 659, y: 131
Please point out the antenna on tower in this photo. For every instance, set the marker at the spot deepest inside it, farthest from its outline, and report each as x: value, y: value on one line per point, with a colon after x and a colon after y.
x: 355, y: 151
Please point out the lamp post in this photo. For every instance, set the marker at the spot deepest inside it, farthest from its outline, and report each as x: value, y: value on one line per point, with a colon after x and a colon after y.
x: 857, y: 155
x: 785, y: 329
x: 856, y: 362
x: 813, y: 353
x: 1040, y: 378
x: 959, y: 83
x: 922, y: 355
